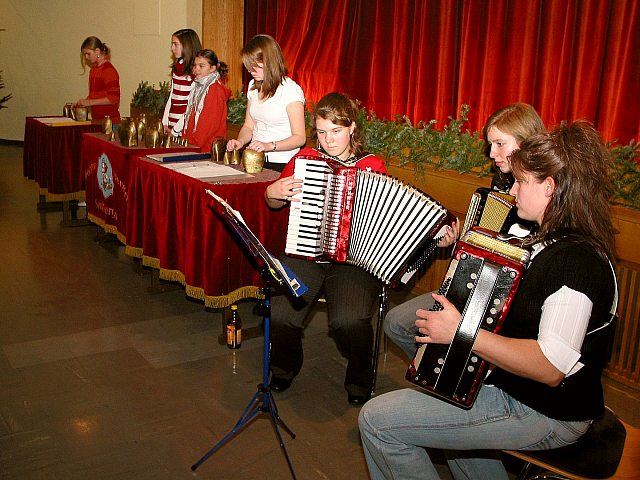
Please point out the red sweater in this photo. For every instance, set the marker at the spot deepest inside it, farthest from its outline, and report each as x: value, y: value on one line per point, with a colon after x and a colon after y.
x: 212, y: 121
x: 104, y: 81
x: 367, y: 161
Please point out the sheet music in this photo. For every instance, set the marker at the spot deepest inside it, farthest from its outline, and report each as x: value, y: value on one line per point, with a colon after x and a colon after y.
x: 279, y: 270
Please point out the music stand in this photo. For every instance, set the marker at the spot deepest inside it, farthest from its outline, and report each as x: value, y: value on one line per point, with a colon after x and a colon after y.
x: 271, y: 271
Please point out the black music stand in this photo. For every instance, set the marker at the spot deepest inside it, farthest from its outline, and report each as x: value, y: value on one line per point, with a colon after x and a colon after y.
x: 271, y: 271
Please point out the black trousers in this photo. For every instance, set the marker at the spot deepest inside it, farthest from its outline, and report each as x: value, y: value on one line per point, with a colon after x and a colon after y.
x: 351, y: 295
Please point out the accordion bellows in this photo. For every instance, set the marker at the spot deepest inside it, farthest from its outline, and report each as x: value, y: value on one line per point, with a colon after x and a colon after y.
x: 363, y: 218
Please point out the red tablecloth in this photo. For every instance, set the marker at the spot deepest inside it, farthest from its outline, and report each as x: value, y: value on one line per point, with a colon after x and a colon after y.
x: 52, y: 158
x: 106, y: 168
x: 164, y: 217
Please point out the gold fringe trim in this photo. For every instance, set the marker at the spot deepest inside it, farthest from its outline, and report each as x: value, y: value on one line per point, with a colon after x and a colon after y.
x: 133, y: 251
x: 229, y: 299
x: 210, y: 301
x: 112, y: 229
x: 65, y: 197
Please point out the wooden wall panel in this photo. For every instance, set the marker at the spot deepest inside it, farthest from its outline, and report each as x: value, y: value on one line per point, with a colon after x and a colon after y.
x: 223, y: 32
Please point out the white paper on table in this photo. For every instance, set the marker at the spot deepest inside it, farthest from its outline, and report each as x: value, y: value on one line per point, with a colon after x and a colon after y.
x: 60, y: 120
x: 204, y: 169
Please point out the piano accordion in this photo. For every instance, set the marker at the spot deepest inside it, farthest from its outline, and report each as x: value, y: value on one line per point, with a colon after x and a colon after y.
x: 367, y: 219
x: 480, y: 282
x: 491, y: 210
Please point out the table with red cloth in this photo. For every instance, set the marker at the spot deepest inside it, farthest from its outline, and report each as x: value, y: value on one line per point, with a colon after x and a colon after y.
x: 169, y: 221
x: 172, y: 225
x: 106, y: 166
x: 52, y: 156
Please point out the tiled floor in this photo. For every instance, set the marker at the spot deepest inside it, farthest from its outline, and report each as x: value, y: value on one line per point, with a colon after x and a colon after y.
x: 101, y: 379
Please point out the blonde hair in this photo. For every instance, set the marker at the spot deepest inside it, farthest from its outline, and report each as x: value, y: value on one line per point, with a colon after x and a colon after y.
x: 92, y: 43
x: 520, y: 120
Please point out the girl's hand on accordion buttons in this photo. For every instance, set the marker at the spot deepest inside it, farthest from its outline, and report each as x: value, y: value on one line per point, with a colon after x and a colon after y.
x: 450, y: 235
x: 439, y: 326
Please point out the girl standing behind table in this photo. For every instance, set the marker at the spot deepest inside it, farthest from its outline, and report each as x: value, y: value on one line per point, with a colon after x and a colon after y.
x: 206, y: 115
x: 104, y: 81
x: 185, y: 43
x: 274, y: 122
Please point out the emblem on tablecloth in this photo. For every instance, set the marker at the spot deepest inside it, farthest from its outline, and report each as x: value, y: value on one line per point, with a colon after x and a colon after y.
x: 105, y: 175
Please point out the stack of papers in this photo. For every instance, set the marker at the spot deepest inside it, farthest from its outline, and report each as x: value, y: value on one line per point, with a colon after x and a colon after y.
x: 179, y: 156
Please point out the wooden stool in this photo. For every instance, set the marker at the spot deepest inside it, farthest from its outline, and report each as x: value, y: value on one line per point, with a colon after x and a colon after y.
x: 595, y: 455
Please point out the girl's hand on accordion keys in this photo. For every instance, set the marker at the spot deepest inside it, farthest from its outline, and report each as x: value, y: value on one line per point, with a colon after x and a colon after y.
x: 283, y: 190
x: 439, y: 326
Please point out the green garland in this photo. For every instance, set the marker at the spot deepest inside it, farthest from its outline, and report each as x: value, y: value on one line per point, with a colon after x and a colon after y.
x: 453, y: 148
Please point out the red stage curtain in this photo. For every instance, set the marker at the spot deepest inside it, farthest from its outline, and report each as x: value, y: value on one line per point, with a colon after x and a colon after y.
x: 569, y: 58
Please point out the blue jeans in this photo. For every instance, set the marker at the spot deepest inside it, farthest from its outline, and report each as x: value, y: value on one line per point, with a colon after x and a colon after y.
x: 397, y: 427
x: 399, y: 323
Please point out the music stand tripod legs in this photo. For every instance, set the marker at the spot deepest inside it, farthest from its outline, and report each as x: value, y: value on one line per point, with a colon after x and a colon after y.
x: 262, y: 401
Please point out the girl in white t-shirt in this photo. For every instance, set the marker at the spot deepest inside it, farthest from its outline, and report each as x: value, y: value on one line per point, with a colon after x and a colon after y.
x: 274, y: 121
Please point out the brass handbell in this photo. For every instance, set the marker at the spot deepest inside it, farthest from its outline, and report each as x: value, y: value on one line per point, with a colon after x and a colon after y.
x: 252, y: 160
x: 107, y: 125
x: 232, y: 157
x: 218, y: 149
x: 66, y: 110
x: 152, y: 138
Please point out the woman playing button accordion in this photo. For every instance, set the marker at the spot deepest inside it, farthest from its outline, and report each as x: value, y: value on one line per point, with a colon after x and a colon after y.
x: 545, y: 389
x: 350, y: 292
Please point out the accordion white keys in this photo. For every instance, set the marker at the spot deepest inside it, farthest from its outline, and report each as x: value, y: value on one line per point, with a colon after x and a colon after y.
x: 364, y: 218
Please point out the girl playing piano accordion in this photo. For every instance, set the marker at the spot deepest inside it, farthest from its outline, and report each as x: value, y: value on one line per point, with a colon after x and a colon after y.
x: 545, y: 388
x: 350, y: 292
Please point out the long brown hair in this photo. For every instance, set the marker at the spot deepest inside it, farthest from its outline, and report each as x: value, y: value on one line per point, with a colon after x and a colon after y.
x: 190, y: 42
x: 579, y: 163
x: 265, y: 50
x: 338, y: 108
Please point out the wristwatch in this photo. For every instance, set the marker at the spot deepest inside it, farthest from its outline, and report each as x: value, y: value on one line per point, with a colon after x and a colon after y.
x: 275, y: 145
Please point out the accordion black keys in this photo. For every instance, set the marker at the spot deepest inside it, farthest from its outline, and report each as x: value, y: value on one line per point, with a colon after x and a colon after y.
x: 367, y: 219
x: 481, y: 281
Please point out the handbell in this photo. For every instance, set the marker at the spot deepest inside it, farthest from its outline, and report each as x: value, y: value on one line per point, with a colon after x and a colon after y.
x: 107, y: 125
x: 66, y: 110
x: 218, y: 149
x: 252, y: 160
x: 152, y: 138
x: 232, y: 157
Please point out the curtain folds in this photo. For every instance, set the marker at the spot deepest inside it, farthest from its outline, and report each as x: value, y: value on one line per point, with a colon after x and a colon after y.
x: 570, y: 59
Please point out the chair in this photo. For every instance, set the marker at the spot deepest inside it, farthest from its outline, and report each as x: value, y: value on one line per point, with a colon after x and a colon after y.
x: 595, y: 455
x: 383, y: 305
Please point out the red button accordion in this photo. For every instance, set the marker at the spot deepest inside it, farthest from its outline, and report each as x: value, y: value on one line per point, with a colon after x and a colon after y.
x: 367, y: 219
x: 481, y: 281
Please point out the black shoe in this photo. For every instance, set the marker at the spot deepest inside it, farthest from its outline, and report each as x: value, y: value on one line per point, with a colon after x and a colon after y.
x: 280, y: 384
x: 358, y: 400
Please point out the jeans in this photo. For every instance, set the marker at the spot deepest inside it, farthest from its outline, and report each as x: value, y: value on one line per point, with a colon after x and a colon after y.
x: 398, y: 426
x: 399, y: 323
